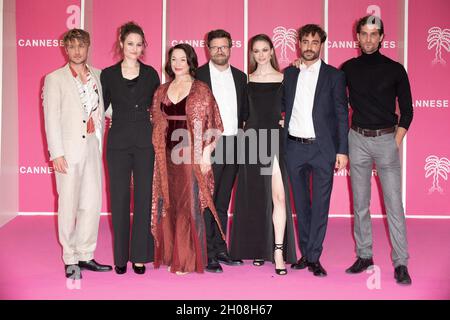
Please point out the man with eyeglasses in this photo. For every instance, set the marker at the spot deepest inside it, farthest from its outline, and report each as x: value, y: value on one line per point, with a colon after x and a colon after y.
x: 229, y: 86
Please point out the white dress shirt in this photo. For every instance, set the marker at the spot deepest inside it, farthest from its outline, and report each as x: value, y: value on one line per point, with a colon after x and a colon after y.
x: 301, y: 123
x: 224, y: 92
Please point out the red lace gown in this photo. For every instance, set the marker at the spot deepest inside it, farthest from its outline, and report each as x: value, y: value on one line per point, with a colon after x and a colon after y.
x: 181, y: 232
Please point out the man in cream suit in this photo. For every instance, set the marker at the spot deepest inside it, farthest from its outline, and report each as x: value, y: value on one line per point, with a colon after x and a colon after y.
x: 74, y: 123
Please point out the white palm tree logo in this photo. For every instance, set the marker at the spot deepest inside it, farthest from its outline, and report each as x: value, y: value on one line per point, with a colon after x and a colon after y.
x: 284, y: 38
x: 438, y: 168
x: 438, y: 38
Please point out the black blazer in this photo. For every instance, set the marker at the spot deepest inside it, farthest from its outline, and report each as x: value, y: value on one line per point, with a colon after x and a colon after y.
x: 330, y: 109
x: 131, y: 113
x: 240, y: 82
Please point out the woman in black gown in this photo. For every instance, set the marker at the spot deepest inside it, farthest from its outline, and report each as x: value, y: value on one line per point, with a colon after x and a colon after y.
x: 262, y: 220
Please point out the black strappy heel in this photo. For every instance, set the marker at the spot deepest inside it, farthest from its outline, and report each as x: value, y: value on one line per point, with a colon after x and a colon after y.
x: 280, y: 272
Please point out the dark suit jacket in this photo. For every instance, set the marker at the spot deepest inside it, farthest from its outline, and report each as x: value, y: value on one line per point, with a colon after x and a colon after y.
x: 240, y: 82
x: 131, y: 112
x: 330, y: 109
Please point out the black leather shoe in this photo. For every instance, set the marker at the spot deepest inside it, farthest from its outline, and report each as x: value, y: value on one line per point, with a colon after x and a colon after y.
x: 402, y: 276
x: 120, y: 270
x: 92, y: 265
x: 317, y: 269
x: 72, y: 271
x: 213, y: 266
x: 258, y: 262
x: 139, y: 269
x: 223, y: 257
x: 300, y: 264
x: 360, y: 265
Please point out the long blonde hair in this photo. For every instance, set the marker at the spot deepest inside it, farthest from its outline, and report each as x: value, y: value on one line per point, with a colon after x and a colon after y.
x: 273, y: 58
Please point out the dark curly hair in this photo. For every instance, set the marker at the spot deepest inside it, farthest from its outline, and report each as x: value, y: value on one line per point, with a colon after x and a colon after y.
x: 312, y: 29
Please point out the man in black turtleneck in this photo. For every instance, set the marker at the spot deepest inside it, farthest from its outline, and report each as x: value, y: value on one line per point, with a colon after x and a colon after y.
x: 375, y: 83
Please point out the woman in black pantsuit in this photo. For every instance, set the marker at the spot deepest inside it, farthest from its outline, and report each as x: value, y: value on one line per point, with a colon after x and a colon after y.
x: 129, y: 86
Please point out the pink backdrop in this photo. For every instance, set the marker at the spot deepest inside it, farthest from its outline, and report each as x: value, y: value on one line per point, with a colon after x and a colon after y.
x: 281, y: 19
x: 103, y: 27
x: 429, y: 62
x: 189, y: 21
x: 34, y: 61
x: 107, y: 16
x: 342, y: 45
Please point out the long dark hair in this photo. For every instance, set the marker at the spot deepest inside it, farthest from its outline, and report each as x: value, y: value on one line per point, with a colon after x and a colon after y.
x: 273, y: 59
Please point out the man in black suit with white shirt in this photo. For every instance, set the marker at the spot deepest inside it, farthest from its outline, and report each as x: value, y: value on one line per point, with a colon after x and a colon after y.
x: 316, y: 123
x: 229, y: 86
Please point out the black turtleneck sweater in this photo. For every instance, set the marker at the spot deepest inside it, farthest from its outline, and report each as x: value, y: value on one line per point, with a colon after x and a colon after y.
x: 374, y: 83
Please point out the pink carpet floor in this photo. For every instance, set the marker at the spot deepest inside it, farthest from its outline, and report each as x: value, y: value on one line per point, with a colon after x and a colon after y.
x: 31, y: 268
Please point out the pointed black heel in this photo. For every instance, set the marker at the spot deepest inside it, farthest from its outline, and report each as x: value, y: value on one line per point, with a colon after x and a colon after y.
x: 280, y: 272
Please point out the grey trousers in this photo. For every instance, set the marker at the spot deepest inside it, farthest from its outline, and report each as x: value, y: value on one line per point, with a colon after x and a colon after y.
x: 382, y: 150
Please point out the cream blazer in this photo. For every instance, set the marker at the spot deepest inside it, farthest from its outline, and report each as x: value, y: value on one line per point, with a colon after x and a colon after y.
x: 65, y: 119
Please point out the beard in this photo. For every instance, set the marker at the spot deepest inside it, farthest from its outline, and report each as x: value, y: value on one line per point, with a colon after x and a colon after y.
x: 220, y: 59
x: 314, y: 56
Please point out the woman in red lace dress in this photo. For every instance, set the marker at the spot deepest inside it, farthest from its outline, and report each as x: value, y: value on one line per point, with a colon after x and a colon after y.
x: 186, y: 124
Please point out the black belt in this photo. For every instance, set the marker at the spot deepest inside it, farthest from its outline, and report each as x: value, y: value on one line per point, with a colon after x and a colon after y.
x: 302, y: 140
x: 372, y: 133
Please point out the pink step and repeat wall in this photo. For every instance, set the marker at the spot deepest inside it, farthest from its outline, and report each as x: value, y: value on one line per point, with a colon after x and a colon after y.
x: 40, y: 25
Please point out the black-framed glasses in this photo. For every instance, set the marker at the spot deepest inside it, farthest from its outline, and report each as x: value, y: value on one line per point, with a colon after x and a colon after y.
x: 222, y: 48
